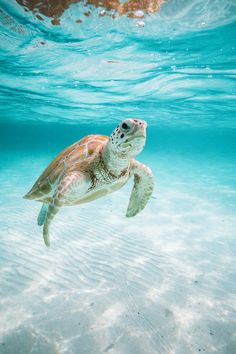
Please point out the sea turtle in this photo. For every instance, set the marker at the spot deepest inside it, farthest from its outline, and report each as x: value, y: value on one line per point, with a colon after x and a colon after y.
x: 95, y: 166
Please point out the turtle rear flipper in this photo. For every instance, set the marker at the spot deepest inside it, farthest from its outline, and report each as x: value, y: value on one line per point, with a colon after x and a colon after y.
x: 42, y: 214
x: 71, y: 181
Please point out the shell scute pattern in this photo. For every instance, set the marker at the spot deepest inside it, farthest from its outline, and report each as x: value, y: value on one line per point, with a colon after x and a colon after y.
x: 76, y: 156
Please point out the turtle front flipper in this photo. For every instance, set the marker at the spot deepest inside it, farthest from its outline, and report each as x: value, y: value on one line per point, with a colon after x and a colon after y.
x: 142, y: 189
x: 70, y: 182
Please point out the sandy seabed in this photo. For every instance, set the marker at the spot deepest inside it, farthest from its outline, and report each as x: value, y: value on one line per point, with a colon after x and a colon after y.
x: 163, y: 282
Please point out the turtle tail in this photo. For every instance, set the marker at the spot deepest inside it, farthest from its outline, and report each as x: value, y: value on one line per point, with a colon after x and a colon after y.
x: 42, y: 214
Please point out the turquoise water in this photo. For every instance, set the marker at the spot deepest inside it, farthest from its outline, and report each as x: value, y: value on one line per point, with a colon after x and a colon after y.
x: 165, y: 281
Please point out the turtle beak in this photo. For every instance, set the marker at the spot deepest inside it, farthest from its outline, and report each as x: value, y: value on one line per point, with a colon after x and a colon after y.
x: 145, y: 123
x: 141, y: 129
x: 141, y: 133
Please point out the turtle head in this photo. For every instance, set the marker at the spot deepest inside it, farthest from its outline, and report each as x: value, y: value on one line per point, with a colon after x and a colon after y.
x: 129, y: 138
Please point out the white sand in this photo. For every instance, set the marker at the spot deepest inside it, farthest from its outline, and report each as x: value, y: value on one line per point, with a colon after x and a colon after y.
x: 163, y: 282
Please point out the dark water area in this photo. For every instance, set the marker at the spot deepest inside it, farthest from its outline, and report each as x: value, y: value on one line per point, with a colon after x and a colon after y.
x: 202, y: 142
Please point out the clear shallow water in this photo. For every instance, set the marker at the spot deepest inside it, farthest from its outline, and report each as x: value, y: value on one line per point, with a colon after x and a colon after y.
x: 163, y: 282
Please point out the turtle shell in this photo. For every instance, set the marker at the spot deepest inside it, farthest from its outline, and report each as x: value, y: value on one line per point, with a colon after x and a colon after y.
x: 71, y: 158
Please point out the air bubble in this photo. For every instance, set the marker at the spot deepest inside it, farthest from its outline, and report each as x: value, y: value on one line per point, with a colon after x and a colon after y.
x: 140, y: 23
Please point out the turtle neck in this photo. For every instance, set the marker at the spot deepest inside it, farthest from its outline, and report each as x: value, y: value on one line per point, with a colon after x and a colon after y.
x: 116, y: 163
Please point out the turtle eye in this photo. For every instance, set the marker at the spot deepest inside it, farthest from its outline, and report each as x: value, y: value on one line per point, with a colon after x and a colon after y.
x: 124, y: 126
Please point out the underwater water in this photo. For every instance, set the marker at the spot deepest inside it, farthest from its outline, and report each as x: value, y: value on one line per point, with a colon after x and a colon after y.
x: 164, y: 281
